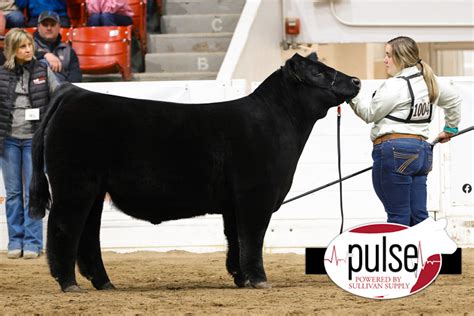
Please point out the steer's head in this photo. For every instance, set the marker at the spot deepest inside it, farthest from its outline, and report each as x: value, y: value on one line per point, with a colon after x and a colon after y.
x: 318, y: 86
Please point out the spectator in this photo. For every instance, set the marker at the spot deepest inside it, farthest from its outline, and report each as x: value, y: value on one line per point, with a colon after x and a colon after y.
x: 25, y: 86
x: 109, y: 13
x: 60, y: 56
x: 13, y: 16
x: 35, y: 7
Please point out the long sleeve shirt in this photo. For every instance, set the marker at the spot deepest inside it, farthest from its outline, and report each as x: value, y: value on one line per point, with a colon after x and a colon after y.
x: 35, y: 7
x: 109, y: 6
x: 393, y: 97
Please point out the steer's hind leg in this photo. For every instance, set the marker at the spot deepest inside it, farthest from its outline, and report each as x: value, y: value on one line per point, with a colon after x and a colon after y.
x: 89, y: 257
x: 233, y: 251
x: 70, y: 209
x: 252, y: 223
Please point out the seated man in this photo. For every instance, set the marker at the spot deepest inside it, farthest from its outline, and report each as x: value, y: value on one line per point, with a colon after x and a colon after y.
x: 60, y: 56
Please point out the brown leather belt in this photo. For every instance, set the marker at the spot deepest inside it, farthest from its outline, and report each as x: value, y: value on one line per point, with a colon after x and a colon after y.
x: 386, y: 137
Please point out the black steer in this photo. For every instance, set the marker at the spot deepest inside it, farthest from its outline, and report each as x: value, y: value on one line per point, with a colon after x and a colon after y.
x: 163, y: 161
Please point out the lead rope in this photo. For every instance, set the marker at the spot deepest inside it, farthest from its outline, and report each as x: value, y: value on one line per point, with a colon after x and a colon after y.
x: 339, y: 165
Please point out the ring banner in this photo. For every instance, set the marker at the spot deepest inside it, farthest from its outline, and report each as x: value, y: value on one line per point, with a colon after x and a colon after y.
x: 314, y: 261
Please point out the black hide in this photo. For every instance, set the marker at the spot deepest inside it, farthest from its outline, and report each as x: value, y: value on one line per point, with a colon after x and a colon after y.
x: 161, y: 161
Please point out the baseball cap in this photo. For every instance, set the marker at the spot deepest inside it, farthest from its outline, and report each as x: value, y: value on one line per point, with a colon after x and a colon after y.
x: 49, y: 15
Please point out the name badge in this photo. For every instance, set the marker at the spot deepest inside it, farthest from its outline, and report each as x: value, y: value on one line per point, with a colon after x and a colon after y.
x: 32, y: 114
x: 40, y: 80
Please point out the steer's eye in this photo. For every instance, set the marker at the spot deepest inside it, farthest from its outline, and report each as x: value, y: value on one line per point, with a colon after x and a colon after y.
x: 317, y: 74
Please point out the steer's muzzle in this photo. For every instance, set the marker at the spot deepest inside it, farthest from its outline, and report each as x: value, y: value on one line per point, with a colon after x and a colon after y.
x: 356, y: 82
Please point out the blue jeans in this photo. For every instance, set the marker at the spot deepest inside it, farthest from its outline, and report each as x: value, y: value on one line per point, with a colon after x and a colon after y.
x: 23, y: 232
x: 109, y: 19
x: 14, y: 19
x: 399, y: 177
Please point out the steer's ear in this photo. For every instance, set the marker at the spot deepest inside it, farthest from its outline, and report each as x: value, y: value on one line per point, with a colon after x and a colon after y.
x: 294, y: 67
x: 313, y: 56
x: 305, y: 69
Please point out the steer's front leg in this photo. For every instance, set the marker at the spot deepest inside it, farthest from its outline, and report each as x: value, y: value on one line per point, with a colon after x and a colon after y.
x: 233, y: 251
x: 252, y: 225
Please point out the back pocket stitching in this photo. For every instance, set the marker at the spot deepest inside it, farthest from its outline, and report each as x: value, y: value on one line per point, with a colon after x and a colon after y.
x: 402, y: 155
x: 405, y: 165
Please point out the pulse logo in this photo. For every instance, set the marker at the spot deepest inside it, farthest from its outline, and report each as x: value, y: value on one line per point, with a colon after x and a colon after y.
x: 385, y: 261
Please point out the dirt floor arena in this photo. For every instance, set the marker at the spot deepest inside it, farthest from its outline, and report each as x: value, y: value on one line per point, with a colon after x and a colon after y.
x: 185, y: 283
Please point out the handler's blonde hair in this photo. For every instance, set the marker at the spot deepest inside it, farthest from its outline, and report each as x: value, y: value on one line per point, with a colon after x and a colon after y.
x: 13, y: 39
x: 405, y: 54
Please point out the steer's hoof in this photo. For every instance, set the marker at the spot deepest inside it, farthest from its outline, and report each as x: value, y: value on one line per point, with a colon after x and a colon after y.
x: 73, y: 289
x: 107, y: 287
x: 262, y: 285
x: 241, y: 282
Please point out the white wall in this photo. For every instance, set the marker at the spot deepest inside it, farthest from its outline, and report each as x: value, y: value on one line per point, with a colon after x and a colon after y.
x: 314, y: 220
x: 254, y: 52
x: 361, y: 21
x: 456, y: 168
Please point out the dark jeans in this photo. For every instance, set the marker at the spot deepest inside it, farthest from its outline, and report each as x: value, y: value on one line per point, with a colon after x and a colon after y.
x: 109, y: 19
x: 14, y: 19
x: 399, y: 177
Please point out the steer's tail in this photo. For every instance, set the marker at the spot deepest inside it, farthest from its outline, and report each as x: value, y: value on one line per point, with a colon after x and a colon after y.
x: 40, y: 198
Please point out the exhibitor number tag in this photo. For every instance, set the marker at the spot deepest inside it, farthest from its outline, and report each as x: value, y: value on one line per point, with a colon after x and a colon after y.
x: 421, y: 110
x: 32, y: 114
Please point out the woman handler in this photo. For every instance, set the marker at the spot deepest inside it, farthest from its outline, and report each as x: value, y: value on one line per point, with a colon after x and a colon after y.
x: 401, y: 110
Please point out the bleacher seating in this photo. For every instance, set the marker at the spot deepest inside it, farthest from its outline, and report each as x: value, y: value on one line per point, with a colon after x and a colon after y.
x: 139, y: 21
x: 103, y: 49
x: 2, y: 23
x: 76, y: 10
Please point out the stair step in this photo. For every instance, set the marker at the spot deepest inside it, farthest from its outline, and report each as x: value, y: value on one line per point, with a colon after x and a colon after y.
x: 165, y: 76
x: 203, y: 6
x: 197, y: 42
x: 202, y: 23
x: 184, y: 62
